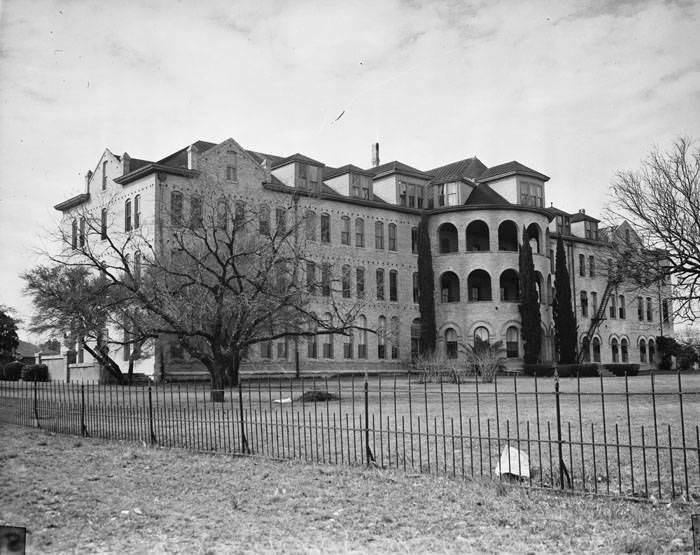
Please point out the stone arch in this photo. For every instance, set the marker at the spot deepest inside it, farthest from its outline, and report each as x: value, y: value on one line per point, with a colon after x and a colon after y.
x: 534, y: 237
x: 479, y: 285
x: 448, y: 238
x: 449, y: 287
x: 508, y: 236
x: 509, y: 283
x: 478, y: 236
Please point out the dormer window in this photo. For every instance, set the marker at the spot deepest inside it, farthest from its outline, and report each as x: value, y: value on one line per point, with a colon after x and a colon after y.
x: 448, y: 194
x: 563, y: 224
x: 302, y: 176
x: 591, y: 229
x: 531, y: 194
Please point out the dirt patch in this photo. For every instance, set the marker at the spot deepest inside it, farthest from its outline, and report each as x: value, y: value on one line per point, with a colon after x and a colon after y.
x: 91, y: 495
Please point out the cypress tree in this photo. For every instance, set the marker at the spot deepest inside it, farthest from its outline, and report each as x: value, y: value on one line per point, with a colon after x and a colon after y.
x: 529, y: 305
x: 564, y: 320
x: 426, y: 288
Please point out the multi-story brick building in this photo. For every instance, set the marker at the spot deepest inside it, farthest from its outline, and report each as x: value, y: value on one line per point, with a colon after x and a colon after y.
x: 363, y: 223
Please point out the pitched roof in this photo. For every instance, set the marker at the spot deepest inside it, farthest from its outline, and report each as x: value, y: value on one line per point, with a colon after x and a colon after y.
x: 556, y: 211
x: 396, y: 167
x: 179, y: 159
x: 329, y: 173
x: 260, y: 156
x: 510, y: 168
x: 297, y: 157
x: 582, y: 216
x: 483, y: 194
x: 136, y: 163
x: 469, y: 168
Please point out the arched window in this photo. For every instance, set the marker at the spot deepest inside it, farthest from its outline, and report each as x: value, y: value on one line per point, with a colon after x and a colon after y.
x: 596, y: 349
x: 415, y: 338
x: 359, y: 232
x: 381, y: 338
x: 311, y: 225
x: 615, y: 350
x: 325, y: 228
x: 127, y: 215
x: 345, y: 281
x: 328, y: 339
x: 510, y: 285
x: 652, y: 352
x: 176, y: 208
x: 479, y: 285
x: 508, y: 236
x: 344, y: 230
x: 534, y: 236
x: 512, y: 343
x: 379, y: 235
x: 642, y: 350
x: 449, y: 288
x: 137, y: 211
x: 481, y: 336
x: 478, y: 236
x: 380, y: 284
x: 447, y: 238
x: 586, y: 349
x: 395, y: 329
x: 624, y: 350
x: 451, y: 343
x: 539, y: 286
x: 81, y: 234
x: 362, y: 337
x: 623, y: 313
x: 393, y: 286
x: 360, y: 282
x: 584, y: 304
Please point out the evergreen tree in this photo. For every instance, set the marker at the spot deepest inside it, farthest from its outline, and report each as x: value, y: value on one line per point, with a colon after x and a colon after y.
x: 564, y: 320
x: 426, y: 288
x: 529, y: 305
x: 8, y: 334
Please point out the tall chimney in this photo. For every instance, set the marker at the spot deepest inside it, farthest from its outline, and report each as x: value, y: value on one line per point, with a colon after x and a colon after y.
x: 126, y: 163
x: 375, y: 154
x: 88, y: 177
x: 192, y: 155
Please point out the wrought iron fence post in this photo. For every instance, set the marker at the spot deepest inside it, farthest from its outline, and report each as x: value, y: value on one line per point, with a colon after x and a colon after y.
x: 83, y: 427
x: 244, y: 442
x: 150, y: 415
x: 368, y: 449
x: 559, y: 445
x: 36, y: 402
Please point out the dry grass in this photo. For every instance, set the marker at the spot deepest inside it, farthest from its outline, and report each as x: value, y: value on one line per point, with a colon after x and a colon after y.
x: 91, y: 495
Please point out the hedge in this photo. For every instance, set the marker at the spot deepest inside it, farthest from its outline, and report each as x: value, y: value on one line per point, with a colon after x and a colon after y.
x: 539, y: 370
x: 620, y: 369
x: 12, y: 371
x: 588, y: 370
x: 35, y: 372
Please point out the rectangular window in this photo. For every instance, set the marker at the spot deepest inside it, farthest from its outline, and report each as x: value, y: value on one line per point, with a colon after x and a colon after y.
x: 325, y: 228
x: 414, y: 240
x: 347, y: 346
x: 355, y: 185
x: 591, y: 266
x: 345, y: 281
x: 415, y: 287
x: 127, y: 215
x: 360, y: 280
x: 665, y: 311
x: 326, y: 280
x: 176, y: 208
x: 551, y: 260
x: 82, y: 232
x: 393, y: 286
x: 345, y: 231
x: 232, y: 169
x: 591, y: 229
x: 362, y: 351
x: 379, y: 235
x: 281, y: 221
x: 451, y: 194
x: 650, y: 315
x: 581, y: 265
x: 640, y: 309
x: 239, y: 215
x: 311, y: 277
x: 282, y: 349
x: 380, y: 284
x: 301, y: 176
x: 310, y: 226
x: 411, y: 189
x: 195, y: 211
x: 531, y: 194
x: 137, y: 211
x: 312, y: 347
x: 264, y: 220
x: 623, y: 312
x: 103, y: 225
x: 420, y: 192
x: 392, y: 237
x: 266, y: 349
x: 104, y: 175
x: 594, y: 303
x: 613, y: 306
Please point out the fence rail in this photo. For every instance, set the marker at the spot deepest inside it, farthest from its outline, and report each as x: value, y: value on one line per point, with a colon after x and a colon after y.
x: 636, y: 436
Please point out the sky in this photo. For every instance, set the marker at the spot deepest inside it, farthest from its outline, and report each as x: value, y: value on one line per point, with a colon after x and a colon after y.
x: 575, y: 90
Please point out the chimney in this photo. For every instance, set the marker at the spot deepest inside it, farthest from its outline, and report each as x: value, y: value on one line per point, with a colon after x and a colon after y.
x: 582, y: 211
x: 126, y: 163
x: 88, y: 177
x: 192, y: 157
x: 375, y: 154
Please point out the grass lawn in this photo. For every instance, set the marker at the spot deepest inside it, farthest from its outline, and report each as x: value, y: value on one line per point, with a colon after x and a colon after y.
x: 93, y: 495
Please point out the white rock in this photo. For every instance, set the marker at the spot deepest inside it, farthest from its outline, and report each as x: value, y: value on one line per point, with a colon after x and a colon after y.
x: 513, y: 462
x: 282, y: 401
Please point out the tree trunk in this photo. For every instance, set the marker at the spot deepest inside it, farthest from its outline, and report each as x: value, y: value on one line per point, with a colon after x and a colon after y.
x: 219, y: 380
x: 105, y: 360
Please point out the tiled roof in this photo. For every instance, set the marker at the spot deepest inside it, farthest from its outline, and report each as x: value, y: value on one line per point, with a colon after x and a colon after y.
x: 510, y: 168
x: 179, y: 159
x: 348, y: 168
x: 469, y: 168
x: 580, y: 217
x: 483, y: 194
x: 298, y: 157
x: 397, y: 167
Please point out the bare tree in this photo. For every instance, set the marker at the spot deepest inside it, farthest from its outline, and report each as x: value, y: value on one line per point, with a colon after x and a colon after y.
x: 227, y: 277
x: 662, y: 202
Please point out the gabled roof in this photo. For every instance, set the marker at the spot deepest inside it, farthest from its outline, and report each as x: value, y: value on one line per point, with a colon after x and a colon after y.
x: 556, y: 211
x: 508, y: 169
x: 469, y: 168
x: 298, y: 157
x: 396, y: 167
x: 329, y: 173
x: 582, y: 216
x: 72, y: 202
x: 179, y: 159
x: 136, y: 163
x: 483, y: 194
x: 260, y: 156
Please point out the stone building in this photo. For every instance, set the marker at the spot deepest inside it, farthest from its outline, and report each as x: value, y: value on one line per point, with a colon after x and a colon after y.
x: 363, y: 222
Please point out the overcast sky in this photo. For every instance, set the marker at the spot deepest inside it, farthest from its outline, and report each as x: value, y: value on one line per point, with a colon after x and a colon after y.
x: 575, y: 90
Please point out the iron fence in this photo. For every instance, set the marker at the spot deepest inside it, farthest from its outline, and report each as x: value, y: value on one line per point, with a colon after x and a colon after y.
x: 632, y: 436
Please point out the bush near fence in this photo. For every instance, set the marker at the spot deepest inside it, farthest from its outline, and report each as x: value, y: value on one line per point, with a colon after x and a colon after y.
x: 588, y: 370
x: 12, y: 371
x: 35, y: 373
x: 539, y: 370
x: 620, y: 369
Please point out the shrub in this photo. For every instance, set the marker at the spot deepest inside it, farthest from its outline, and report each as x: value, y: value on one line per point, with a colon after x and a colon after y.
x: 588, y: 370
x: 12, y: 371
x: 35, y: 372
x: 485, y: 359
x: 539, y: 370
x: 435, y: 367
x: 620, y: 369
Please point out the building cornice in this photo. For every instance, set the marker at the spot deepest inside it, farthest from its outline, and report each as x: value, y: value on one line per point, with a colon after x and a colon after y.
x: 152, y: 168
x: 72, y: 202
